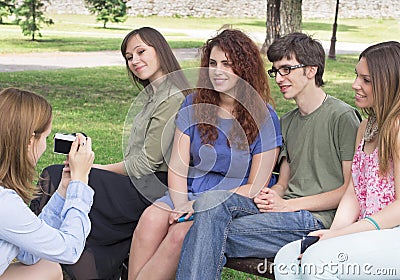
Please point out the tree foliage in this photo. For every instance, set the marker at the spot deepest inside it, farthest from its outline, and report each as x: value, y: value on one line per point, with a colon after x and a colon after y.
x: 108, y: 10
x: 283, y: 17
x: 30, y: 16
x: 6, y: 9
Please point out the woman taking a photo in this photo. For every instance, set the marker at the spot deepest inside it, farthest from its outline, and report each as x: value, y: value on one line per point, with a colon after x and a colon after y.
x: 58, y: 234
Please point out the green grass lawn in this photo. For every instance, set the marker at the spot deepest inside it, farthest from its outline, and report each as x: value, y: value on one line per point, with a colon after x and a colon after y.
x: 83, y: 33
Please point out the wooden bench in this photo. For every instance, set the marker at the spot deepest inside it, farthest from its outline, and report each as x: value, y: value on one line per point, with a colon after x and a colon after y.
x: 260, y: 267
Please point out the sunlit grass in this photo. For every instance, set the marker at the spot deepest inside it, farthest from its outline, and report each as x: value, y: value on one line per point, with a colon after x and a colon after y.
x: 83, y: 33
x: 366, y: 31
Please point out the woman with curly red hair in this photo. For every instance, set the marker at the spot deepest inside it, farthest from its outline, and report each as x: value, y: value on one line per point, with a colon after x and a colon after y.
x: 227, y: 138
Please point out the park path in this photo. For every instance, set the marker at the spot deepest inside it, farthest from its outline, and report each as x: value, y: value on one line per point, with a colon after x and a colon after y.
x: 57, y: 60
x: 12, y: 62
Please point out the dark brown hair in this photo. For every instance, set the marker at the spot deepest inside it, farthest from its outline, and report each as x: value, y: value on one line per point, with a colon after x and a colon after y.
x: 168, y: 62
x: 301, y: 47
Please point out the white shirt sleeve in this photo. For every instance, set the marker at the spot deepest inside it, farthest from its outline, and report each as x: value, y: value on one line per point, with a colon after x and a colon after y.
x: 58, y: 234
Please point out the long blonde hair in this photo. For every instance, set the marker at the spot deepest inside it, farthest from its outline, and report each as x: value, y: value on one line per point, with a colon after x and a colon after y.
x: 22, y: 115
x: 383, y: 62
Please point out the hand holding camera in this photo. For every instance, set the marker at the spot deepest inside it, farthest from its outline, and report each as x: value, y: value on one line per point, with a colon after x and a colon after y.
x: 80, y: 156
x: 63, y: 142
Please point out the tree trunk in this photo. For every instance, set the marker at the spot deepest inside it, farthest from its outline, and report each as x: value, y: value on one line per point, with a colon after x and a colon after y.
x: 273, y: 23
x: 290, y: 16
x: 283, y: 17
x: 33, y: 10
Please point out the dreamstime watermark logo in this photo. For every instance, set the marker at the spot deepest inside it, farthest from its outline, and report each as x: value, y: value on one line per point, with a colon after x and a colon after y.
x: 342, y: 266
x: 265, y: 267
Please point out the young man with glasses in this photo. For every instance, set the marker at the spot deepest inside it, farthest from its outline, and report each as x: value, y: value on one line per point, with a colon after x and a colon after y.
x: 315, y: 166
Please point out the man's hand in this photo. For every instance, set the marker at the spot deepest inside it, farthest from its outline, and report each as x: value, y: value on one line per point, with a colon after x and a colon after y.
x: 268, y: 200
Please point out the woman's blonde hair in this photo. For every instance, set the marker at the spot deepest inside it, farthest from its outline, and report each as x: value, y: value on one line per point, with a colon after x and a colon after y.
x: 383, y: 62
x: 23, y: 114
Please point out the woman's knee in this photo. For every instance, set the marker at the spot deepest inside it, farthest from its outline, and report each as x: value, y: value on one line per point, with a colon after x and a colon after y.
x: 153, y: 219
x: 49, y: 270
x: 56, y: 271
x: 176, y: 235
x: 285, y: 261
x: 41, y: 270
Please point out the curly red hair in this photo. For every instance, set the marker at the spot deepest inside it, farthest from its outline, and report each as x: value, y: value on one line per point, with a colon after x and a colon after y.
x: 247, y: 64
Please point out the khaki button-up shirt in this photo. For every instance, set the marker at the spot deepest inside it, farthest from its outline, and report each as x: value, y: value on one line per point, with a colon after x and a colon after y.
x: 151, y: 135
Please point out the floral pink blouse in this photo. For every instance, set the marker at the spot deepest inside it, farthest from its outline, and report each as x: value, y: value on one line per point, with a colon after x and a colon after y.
x: 373, y: 192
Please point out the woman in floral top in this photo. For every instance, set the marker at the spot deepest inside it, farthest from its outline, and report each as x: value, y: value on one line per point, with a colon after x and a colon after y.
x: 364, y: 239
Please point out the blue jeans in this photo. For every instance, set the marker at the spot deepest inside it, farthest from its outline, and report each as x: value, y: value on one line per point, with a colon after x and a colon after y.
x: 230, y: 225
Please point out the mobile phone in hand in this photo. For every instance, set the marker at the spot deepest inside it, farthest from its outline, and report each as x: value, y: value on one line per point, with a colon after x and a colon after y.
x: 182, y: 218
x: 307, y: 241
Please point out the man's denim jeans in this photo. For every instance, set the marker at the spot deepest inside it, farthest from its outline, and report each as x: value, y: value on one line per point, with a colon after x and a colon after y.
x: 227, y: 224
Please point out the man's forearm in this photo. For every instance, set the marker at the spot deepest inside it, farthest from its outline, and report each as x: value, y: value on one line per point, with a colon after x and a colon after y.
x: 319, y: 202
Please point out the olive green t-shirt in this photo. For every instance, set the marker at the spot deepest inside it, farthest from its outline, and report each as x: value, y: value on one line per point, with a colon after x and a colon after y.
x: 315, y: 146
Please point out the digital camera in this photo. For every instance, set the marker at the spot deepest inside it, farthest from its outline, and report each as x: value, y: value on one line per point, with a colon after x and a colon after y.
x: 63, y: 142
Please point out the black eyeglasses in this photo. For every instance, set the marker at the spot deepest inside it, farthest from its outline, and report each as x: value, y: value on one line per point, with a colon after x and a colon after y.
x: 284, y: 70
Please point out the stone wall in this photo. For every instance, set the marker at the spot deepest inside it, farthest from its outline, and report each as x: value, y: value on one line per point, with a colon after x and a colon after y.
x: 241, y: 8
x: 352, y: 8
